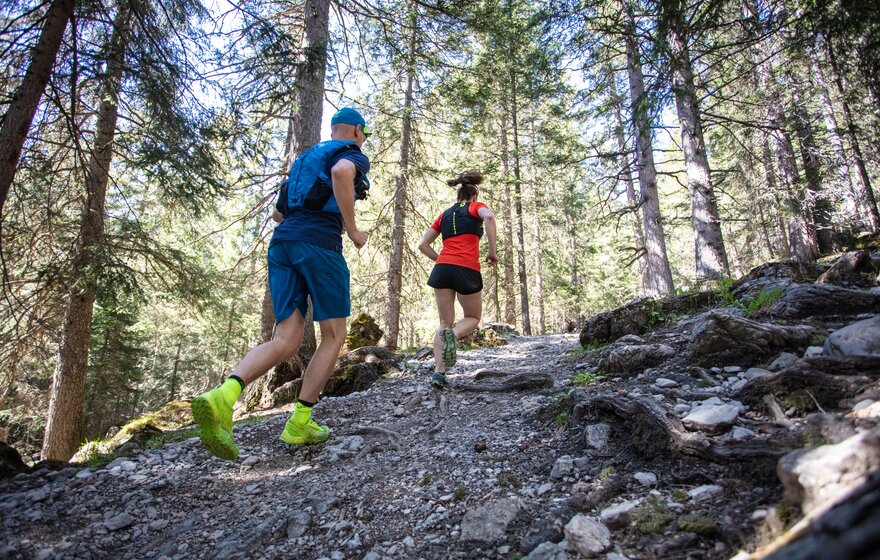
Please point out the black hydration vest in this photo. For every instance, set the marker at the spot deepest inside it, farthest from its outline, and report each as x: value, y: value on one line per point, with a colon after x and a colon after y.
x: 458, y: 221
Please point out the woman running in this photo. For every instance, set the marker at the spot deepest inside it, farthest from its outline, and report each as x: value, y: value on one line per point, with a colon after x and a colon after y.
x: 457, y: 268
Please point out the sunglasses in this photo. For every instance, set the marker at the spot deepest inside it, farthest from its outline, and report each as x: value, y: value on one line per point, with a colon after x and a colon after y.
x: 365, y: 131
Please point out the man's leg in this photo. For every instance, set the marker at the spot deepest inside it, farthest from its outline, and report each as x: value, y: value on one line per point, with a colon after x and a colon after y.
x: 300, y: 428
x: 212, y: 411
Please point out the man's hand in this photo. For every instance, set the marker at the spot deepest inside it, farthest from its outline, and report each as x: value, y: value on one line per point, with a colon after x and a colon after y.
x: 492, y: 258
x: 357, y: 237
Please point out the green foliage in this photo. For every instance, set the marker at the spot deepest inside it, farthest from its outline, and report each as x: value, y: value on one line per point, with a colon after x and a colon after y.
x: 509, y: 480
x: 364, y: 331
x: 679, y: 495
x: 699, y: 524
x: 606, y: 472
x: 459, y: 493
x: 723, y: 287
x: 426, y: 480
x: 585, y: 378
x: 764, y: 300
x: 653, y: 516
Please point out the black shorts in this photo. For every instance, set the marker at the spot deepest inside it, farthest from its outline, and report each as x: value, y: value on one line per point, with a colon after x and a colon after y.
x: 464, y: 280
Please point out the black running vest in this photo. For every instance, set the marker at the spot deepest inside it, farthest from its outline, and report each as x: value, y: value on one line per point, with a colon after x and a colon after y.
x: 458, y: 221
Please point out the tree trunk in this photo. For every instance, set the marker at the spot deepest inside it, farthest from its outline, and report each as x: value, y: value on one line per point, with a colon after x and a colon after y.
x: 841, y: 166
x: 631, y: 198
x: 709, y: 253
x: 659, y: 275
x: 20, y: 113
x: 817, y: 202
x: 802, y: 244
x: 172, y: 390
x: 867, y: 192
x: 507, y: 229
x: 304, y: 131
x: 517, y: 194
x: 64, y: 422
x: 398, y: 232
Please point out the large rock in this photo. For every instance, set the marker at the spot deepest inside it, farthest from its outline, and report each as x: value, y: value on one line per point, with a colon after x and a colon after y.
x: 359, y: 369
x: 855, y: 267
x: 634, y: 358
x: 590, y: 538
x: 488, y: 523
x: 632, y: 318
x: 820, y: 476
x: 861, y: 338
x: 10, y: 461
x: 720, y: 337
x: 809, y: 300
x: 363, y: 332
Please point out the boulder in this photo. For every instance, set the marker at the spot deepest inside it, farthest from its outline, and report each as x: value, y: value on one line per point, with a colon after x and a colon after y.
x: 363, y: 332
x: 10, y: 461
x: 861, y: 338
x: 718, y: 336
x: 818, y: 477
x: 590, y: 538
x: 488, y: 523
x: 634, y: 359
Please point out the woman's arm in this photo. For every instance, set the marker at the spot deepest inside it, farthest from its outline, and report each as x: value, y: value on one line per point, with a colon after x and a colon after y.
x: 491, y: 233
x: 425, y: 243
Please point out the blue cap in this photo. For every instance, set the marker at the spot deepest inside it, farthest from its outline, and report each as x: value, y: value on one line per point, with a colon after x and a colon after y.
x: 347, y: 115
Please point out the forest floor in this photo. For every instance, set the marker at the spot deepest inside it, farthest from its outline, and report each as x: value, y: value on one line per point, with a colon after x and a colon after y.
x: 490, y: 468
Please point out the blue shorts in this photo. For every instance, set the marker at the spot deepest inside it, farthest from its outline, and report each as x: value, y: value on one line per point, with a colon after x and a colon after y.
x: 297, y: 270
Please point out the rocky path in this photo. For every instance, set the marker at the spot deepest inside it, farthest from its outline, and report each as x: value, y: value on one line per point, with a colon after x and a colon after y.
x: 404, y: 467
x: 531, y: 454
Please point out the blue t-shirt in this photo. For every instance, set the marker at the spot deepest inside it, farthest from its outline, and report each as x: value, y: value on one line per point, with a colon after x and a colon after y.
x: 315, y: 226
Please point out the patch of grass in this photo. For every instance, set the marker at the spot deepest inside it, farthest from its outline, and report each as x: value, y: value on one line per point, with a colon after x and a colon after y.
x: 723, y: 287
x: 95, y: 453
x: 655, y: 318
x: 426, y: 480
x: 679, y: 495
x: 585, y: 378
x: 606, y: 472
x: 459, y: 493
x: 496, y: 458
x: 699, y: 524
x: 764, y: 300
x: 509, y: 479
x: 653, y: 516
x: 163, y: 439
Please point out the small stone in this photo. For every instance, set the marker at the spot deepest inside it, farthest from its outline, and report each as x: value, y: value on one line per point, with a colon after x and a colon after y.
x: 480, y: 446
x: 732, y: 369
x: 120, y: 521
x: 704, y: 492
x: 544, y: 488
x: 754, y: 372
x: 597, y: 435
x: 784, y: 360
x: 646, y: 478
x: 862, y: 404
x: 813, y: 351
x: 251, y: 460
x: 665, y: 383
x: 563, y: 467
x: 587, y: 536
x: 617, y: 516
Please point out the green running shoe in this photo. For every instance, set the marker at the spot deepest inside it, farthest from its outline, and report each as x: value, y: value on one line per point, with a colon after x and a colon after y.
x: 310, y: 433
x: 214, y: 418
x: 450, y: 346
x: 439, y: 381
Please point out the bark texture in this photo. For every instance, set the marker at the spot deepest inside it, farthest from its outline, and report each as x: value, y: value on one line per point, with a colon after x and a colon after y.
x: 398, y: 232
x: 709, y: 252
x: 20, y: 113
x: 657, y: 280
x: 64, y: 422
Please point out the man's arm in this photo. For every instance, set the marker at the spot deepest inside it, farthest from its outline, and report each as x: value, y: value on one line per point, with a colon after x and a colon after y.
x: 491, y: 233
x: 342, y: 176
x: 425, y: 243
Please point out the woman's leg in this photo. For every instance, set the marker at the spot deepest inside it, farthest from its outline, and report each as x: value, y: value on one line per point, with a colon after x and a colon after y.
x: 446, y: 310
x: 472, y: 306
